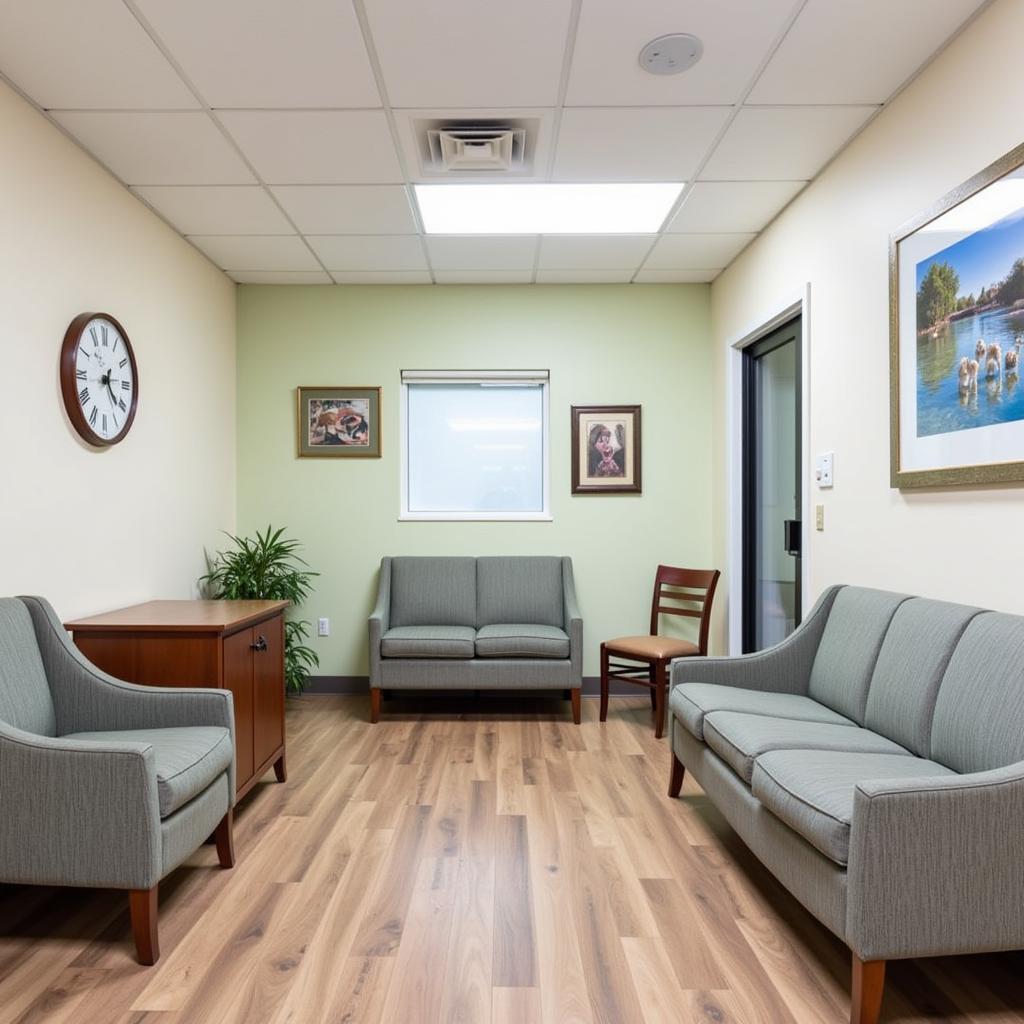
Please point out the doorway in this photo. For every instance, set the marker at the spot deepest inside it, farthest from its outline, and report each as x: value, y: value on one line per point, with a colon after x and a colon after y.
x: 772, y: 499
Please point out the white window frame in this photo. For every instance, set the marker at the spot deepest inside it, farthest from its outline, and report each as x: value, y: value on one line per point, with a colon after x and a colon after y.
x: 495, y: 378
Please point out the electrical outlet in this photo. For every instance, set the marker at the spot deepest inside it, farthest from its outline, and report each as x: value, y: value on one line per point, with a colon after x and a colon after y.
x: 823, y: 469
x: 323, y: 627
x: 819, y: 517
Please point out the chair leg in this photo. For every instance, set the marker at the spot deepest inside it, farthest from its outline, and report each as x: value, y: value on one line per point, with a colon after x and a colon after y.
x: 659, y: 693
x: 604, y: 683
x: 576, y: 709
x: 224, y: 836
x: 675, y: 783
x: 142, y: 904
x: 868, y: 984
x: 653, y: 679
x: 374, y: 704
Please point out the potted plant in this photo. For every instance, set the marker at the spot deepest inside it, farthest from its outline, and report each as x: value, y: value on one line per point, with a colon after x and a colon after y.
x: 267, y: 567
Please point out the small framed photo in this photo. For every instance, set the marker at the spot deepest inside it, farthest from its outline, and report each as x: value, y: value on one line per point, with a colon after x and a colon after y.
x: 339, y: 423
x: 606, y: 449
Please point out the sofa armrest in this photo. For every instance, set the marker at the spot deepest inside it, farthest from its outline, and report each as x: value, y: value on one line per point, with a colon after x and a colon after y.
x: 935, y: 865
x: 379, y: 621
x: 78, y: 812
x: 573, y: 620
x: 784, y: 668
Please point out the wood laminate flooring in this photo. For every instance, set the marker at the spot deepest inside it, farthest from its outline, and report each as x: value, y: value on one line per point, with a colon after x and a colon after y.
x: 475, y: 863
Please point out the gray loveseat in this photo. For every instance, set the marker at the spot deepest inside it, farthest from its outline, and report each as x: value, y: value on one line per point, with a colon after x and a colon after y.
x: 455, y: 623
x: 874, y: 761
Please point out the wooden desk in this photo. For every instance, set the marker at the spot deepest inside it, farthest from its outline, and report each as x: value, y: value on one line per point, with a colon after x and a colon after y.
x: 234, y: 645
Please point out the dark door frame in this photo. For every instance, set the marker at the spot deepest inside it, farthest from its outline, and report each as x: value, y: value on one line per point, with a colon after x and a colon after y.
x: 790, y: 332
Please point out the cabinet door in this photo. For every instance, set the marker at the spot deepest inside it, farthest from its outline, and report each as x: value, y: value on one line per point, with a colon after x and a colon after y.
x: 268, y: 689
x: 238, y: 659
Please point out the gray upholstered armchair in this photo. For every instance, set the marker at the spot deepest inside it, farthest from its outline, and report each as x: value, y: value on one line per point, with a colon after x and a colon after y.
x: 104, y: 783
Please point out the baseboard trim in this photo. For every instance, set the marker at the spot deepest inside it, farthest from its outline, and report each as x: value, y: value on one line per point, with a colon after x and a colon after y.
x: 353, y: 686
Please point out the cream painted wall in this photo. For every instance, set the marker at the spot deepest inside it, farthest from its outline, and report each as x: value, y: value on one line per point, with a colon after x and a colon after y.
x: 959, y: 115
x: 602, y: 344
x: 96, y: 529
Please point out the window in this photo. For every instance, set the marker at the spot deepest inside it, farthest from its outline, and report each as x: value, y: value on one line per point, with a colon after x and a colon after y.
x: 475, y: 444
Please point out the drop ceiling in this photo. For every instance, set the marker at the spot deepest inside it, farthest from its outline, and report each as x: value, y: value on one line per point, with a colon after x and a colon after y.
x: 279, y: 138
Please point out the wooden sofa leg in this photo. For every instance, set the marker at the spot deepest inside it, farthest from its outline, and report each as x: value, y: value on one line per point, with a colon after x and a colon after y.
x: 676, y: 781
x: 576, y: 708
x: 374, y: 705
x: 143, y: 906
x: 868, y: 983
x: 225, y: 839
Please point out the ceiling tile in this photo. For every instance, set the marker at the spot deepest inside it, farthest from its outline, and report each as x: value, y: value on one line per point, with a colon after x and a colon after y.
x: 256, y: 252
x: 464, y: 53
x: 723, y: 206
x: 381, y: 277
x: 857, y: 52
x: 584, y: 276
x: 65, y: 53
x: 594, y: 252
x: 280, y: 277
x: 158, y: 148
x: 476, y: 252
x: 264, y: 53
x: 369, y: 252
x: 676, y: 276
x: 348, y: 209
x: 483, y: 276
x: 783, y: 143
x: 696, y: 252
x: 316, y: 147
x: 737, y: 36
x: 217, y: 209
x: 632, y: 144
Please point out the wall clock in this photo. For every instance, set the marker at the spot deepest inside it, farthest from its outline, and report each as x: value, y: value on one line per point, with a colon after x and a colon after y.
x: 99, y: 379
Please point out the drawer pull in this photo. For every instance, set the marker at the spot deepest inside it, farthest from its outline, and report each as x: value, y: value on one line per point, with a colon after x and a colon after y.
x: 260, y: 645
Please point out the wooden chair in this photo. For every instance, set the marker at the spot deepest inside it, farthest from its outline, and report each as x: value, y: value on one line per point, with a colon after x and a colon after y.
x: 693, y: 590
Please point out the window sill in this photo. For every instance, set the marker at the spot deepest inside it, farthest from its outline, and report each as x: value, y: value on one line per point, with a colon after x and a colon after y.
x: 475, y: 517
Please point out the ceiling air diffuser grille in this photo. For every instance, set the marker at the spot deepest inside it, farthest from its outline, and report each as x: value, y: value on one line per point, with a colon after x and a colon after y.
x: 489, y: 147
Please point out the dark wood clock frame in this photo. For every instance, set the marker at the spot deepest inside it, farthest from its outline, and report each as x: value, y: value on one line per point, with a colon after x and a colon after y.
x: 69, y: 384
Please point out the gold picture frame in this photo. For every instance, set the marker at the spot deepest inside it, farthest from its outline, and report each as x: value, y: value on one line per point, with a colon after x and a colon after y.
x: 338, y: 422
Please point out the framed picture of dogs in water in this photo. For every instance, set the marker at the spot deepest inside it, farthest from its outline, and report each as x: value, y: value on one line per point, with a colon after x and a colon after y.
x: 956, y: 285
x: 606, y: 449
x: 339, y: 423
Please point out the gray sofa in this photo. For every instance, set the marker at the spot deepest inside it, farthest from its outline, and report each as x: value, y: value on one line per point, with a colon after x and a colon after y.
x: 103, y: 783
x: 455, y: 623
x: 874, y: 761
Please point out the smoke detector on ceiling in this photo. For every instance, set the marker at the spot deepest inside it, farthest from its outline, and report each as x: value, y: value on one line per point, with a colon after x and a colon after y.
x: 668, y: 55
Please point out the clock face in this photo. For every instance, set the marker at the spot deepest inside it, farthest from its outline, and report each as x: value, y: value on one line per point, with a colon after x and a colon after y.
x: 99, y: 378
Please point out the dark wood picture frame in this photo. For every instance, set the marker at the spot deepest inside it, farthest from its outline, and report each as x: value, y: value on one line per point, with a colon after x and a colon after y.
x: 628, y: 479
x: 339, y: 449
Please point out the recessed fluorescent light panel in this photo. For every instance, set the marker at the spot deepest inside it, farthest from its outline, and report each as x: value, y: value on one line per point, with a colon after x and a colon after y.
x: 635, y: 208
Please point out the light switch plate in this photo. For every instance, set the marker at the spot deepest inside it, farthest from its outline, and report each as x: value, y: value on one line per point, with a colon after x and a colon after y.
x: 323, y: 627
x: 823, y: 469
x: 819, y: 517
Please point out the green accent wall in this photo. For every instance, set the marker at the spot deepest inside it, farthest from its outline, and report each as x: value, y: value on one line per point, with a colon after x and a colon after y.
x: 614, y: 344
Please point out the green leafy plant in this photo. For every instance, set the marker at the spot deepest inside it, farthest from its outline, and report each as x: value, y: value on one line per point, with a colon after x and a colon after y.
x: 268, y: 567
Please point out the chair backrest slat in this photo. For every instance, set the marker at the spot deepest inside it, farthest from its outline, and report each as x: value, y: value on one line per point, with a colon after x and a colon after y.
x: 693, y: 590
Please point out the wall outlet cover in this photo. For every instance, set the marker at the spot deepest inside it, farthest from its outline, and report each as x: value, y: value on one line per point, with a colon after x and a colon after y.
x: 823, y: 469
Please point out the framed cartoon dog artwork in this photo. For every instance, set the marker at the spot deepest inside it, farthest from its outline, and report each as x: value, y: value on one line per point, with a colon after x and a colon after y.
x: 339, y: 422
x: 606, y: 449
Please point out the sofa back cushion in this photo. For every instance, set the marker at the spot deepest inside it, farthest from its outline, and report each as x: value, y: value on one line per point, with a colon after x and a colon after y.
x: 433, y: 591
x: 526, y: 589
x: 979, y: 712
x: 915, y: 653
x: 25, y: 700
x: 849, y: 648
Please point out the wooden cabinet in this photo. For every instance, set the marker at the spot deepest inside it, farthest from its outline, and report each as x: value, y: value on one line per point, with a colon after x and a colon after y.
x: 234, y: 645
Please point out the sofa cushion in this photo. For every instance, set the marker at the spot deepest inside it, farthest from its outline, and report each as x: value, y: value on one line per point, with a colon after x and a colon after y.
x: 187, y: 759
x: 690, y: 702
x: 979, y: 712
x: 25, y: 700
x: 651, y: 647
x: 429, y: 591
x: 739, y: 739
x: 521, y: 640
x: 522, y: 588
x: 428, y: 642
x: 812, y: 790
x: 916, y: 650
x: 849, y: 648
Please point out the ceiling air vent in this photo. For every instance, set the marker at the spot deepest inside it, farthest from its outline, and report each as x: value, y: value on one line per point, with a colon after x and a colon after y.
x: 489, y: 147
